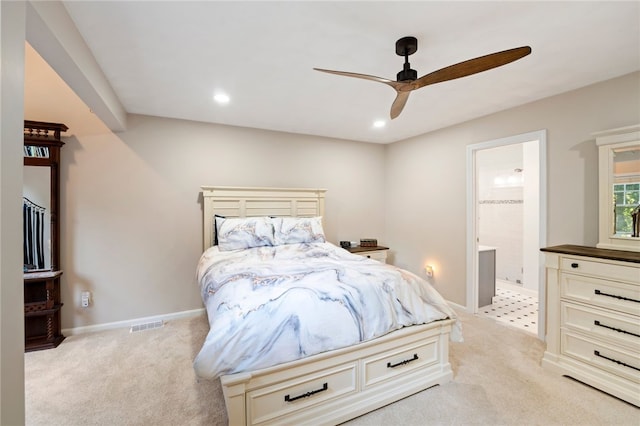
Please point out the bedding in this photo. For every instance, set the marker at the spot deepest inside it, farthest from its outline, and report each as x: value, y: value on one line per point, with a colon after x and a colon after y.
x: 273, y: 304
x: 243, y: 233
x: 295, y: 230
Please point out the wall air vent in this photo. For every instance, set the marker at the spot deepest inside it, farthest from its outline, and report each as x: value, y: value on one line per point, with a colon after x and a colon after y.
x: 146, y: 326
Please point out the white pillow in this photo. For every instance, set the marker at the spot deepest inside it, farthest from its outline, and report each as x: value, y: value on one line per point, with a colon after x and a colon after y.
x: 293, y: 230
x: 242, y: 233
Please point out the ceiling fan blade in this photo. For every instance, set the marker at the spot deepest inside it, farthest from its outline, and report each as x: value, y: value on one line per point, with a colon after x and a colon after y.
x: 472, y: 66
x: 399, y: 103
x: 391, y: 83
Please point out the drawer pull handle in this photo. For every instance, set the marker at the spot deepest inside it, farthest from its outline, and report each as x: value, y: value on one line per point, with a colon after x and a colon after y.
x: 406, y: 361
x: 574, y: 265
x: 325, y: 386
x: 615, y: 296
x: 597, y: 353
x: 619, y: 330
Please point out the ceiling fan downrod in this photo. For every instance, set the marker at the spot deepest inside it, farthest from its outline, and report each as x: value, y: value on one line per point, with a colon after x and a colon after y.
x: 404, y: 47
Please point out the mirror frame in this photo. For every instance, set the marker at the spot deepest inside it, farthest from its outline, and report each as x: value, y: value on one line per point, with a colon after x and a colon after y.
x: 607, y: 142
x: 42, y: 134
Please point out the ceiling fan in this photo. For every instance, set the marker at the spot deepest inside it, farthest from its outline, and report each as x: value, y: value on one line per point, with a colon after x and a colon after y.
x: 407, y: 79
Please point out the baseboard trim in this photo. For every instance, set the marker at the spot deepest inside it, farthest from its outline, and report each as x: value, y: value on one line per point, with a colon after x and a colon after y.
x: 516, y: 287
x: 456, y: 306
x: 131, y: 322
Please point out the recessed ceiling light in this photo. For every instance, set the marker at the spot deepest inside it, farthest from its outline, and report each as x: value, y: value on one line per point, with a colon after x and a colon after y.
x: 379, y: 123
x: 221, y: 98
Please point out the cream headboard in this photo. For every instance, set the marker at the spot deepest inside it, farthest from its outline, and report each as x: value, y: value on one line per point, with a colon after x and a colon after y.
x: 246, y: 202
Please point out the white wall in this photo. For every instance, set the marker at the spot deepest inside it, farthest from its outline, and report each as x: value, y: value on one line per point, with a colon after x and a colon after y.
x: 508, y: 209
x: 531, y: 262
x: 132, y: 213
x: 501, y: 207
x: 12, y: 31
x: 426, y: 177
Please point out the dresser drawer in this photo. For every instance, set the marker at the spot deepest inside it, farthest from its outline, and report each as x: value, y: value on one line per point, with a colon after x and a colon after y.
x: 617, y: 327
x: 399, y: 361
x: 294, y: 395
x: 611, y: 358
x: 602, y: 293
x: 379, y: 255
x: 605, y: 270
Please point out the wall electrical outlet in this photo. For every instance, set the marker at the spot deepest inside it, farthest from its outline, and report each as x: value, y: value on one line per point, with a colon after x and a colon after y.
x: 86, y: 298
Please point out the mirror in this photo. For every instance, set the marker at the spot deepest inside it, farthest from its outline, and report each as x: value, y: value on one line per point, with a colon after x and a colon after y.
x: 619, y: 180
x: 36, y: 212
x: 626, y: 191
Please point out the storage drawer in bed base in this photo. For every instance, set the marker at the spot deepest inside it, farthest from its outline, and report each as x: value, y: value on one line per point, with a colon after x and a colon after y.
x: 347, y: 393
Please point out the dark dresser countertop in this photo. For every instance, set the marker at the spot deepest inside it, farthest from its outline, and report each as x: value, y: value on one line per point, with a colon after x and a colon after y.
x: 361, y: 249
x: 621, y: 255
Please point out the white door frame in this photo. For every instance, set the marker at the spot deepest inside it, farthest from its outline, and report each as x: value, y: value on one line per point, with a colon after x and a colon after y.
x: 472, y: 231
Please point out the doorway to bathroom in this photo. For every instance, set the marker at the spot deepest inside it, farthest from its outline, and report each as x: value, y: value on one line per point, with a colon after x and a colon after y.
x: 506, y: 227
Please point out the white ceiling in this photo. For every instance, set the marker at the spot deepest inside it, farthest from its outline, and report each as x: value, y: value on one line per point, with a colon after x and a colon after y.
x: 168, y: 58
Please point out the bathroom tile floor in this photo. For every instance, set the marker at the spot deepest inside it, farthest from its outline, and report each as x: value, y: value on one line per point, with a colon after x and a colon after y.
x: 513, y: 307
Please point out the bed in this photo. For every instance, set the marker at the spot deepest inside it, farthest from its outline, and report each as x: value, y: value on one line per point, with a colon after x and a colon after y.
x: 280, y: 358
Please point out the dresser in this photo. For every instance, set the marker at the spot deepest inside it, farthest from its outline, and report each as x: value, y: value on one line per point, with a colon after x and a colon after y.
x: 378, y: 253
x: 593, y: 317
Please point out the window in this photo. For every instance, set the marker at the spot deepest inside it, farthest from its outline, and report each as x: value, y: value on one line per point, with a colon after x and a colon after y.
x: 627, y: 198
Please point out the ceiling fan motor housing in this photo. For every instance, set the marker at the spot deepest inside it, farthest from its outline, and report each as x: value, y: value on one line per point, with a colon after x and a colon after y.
x: 407, y: 74
x: 404, y: 47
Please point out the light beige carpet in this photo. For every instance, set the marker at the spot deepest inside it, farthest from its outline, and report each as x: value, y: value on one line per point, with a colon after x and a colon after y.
x: 146, y: 378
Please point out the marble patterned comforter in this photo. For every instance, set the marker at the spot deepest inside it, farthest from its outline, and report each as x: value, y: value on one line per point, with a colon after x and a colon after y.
x: 270, y: 305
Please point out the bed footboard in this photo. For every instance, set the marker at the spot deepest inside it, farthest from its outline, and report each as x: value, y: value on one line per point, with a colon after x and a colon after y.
x: 336, y: 386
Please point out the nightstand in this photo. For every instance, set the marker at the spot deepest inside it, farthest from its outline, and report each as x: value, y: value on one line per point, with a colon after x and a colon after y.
x: 378, y: 253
